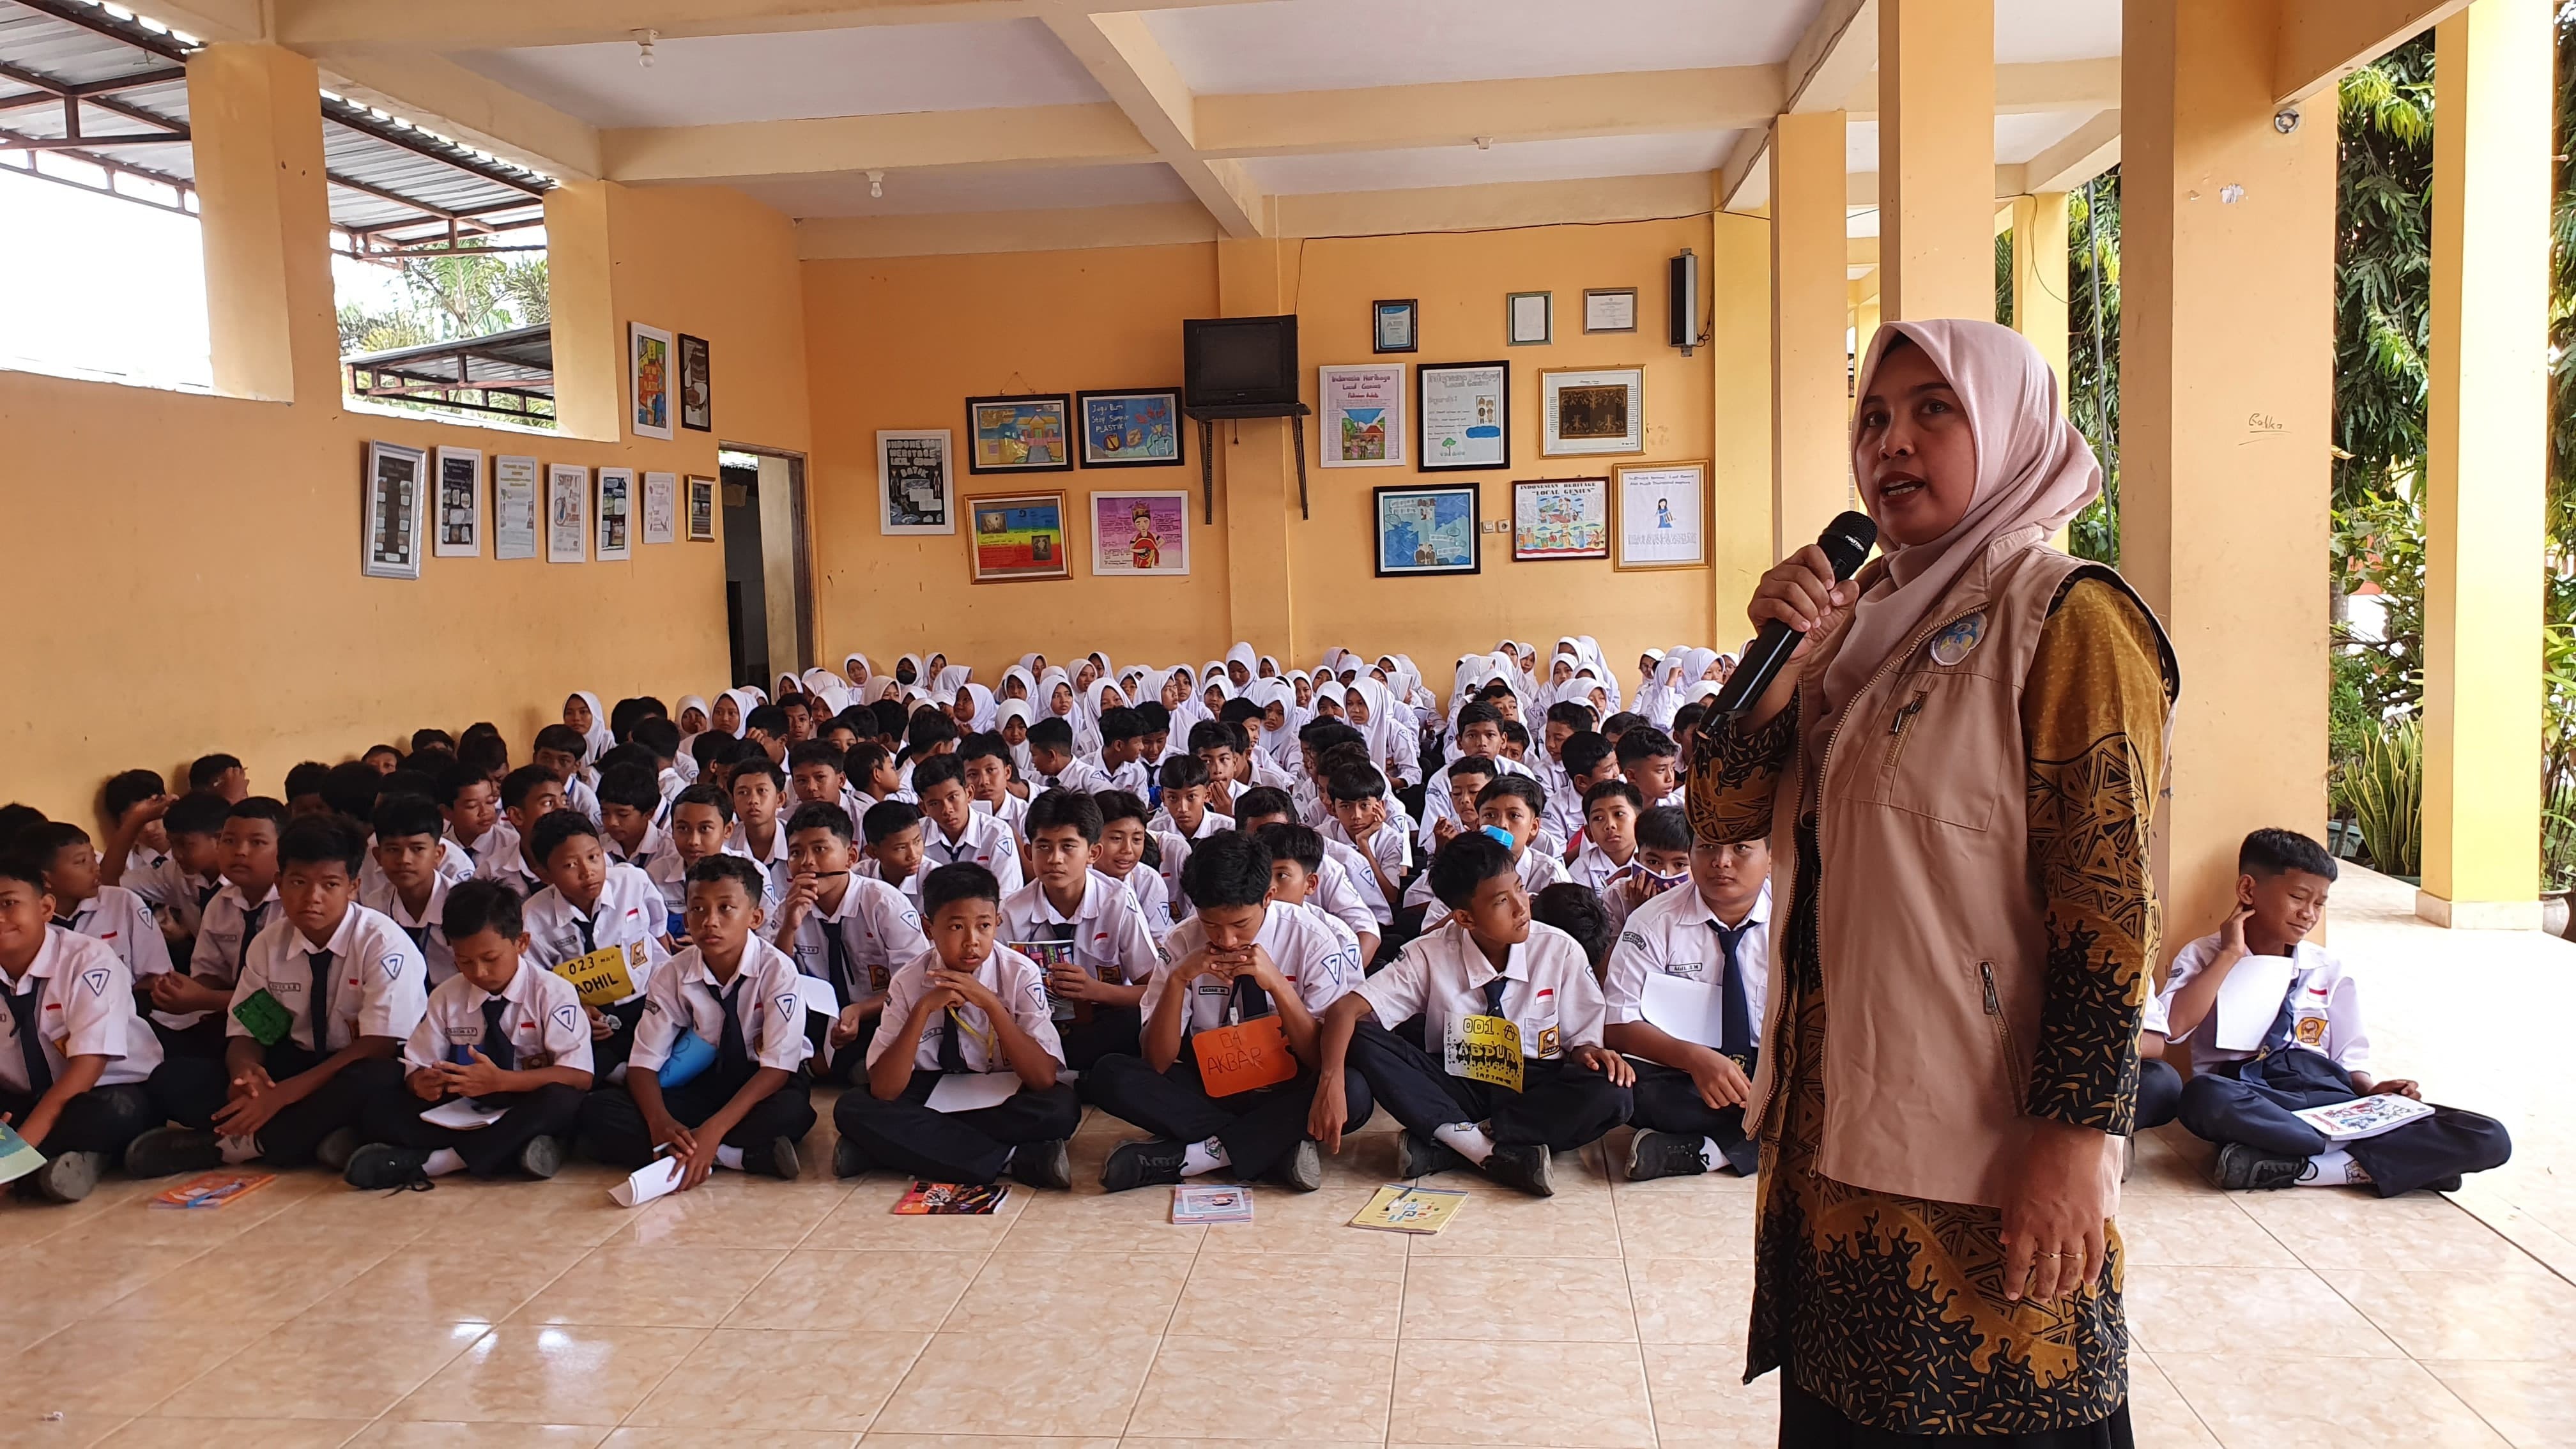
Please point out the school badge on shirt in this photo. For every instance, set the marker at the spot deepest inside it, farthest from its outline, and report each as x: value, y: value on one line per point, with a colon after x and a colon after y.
x: 1956, y: 638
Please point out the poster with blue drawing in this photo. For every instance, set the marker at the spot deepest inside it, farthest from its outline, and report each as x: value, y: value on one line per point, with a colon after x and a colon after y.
x: 1427, y: 531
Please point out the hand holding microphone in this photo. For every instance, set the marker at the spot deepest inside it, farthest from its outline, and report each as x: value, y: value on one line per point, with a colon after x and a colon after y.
x: 1802, y: 602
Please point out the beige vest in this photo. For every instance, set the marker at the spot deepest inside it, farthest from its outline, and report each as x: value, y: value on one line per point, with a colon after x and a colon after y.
x: 1931, y: 932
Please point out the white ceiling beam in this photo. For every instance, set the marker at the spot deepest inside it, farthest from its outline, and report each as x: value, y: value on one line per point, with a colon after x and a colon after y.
x: 1837, y: 51
x: 209, y: 20
x: 2093, y: 149
x: 2027, y: 89
x: 2010, y: 180
x: 1123, y: 56
x: 832, y: 238
x: 428, y: 90
x: 1456, y: 113
x: 1482, y: 207
x: 1092, y: 134
x: 454, y: 25
x: 2319, y: 40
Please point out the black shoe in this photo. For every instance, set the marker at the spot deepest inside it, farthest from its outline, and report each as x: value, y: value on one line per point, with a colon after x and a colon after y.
x: 779, y: 1160
x: 1531, y: 1169
x: 384, y: 1167
x: 1302, y: 1170
x: 1043, y: 1164
x: 2448, y: 1184
x: 1151, y: 1162
x: 849, y: 1159
x: 168, y: 1151
x: 338, y: 1149
x: 1653, y: 1154
x: 2245, y: 1169
x: 543, y: 1157
x: 1420, y: 1156
x: 67, y: 1176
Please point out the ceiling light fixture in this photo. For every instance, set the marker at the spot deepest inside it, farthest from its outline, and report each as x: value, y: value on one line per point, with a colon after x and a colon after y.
x: 876, y: 183
x: 644, y: 47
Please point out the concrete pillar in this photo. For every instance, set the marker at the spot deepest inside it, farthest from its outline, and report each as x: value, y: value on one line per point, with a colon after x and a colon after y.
x: 1739, y: 271
x: 1811, y: 394
x: 1256, y: 462
x: 255, y: 112
x: 2039, y: 278
x: 2485, y: 488
x: 2226, y: 358
x: 589, y: 336
x: 1936, y: 157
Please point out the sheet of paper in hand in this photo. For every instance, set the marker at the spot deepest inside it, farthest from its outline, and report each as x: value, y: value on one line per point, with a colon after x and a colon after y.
x: 2249, y: 1000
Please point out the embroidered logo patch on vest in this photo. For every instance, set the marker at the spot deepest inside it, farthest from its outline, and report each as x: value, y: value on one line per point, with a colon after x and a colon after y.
x: 1956, y: 638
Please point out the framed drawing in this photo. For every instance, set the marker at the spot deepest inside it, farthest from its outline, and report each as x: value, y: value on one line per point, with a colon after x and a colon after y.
x: 1427, y: 531
x: 514, y: 507
x: 1609, y: 309
x: 567, y: 513
x: 1031, y: 434
x: 1391, y: 325
x: 1560, y: 518
x: 1137, y: 534
x: 1587, y: 412
x: 916, y: 484
x: 395, y: 484
x: 661, y: 507
x: 1018, y: 536
x: 616, y: 514
x: 459, y: 507
x: 697, y: 387
x: 1529, y: 318
x: 1135, y: 429
x: 702, y: 510
x: 1361, y: 416
x: 648, y: 381
x: 1663, y: 516
x: 1465, y: 409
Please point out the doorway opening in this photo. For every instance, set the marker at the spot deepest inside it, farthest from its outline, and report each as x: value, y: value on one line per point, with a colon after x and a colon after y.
x: 769, y: 621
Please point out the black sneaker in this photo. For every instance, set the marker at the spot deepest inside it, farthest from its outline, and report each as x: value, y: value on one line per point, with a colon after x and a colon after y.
x: 1420, y: 1156
x: 168, y: 1151
x: 1302, y: 1170
x: 779, y: 1161
x: 1531, y: 1169
x: 1151, y: 1162
x: 543, y: 1157
x: 384, y: 1167
x: 849, y: 1159
x: 337, y: 1150
x: 67, y: 1176
x: 1653, y: 1154
x: 2245, y: 1169
x: 1043, y: 1164
x: 2448, y: 1184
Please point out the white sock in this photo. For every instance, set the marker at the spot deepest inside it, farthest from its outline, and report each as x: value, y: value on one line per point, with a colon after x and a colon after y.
x: 237, y: 1149
x: 1467, y: 1140
x: 729, y: 1157
x: 2333, y: 1167
x: 1010, y: 1159
x: 1711, y: 1156
x: 443, y: 1162
x: 1205, y: 1156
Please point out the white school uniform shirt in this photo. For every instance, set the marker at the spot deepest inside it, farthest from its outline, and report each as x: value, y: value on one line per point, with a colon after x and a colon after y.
x: 119, y: 919
x: 911, y: 887
x: 628, y: 913
x: 455, y: 863
x: 221, y: 940
x: 987, y: 842
x: 84, y: 1008
x: 1210, y: 822
x: 1009, y: 975
x: 1676, y: 934
x: 1346, y: 888
x: 1151, y: 897
x: 683, y: 998
x: 510, y: 866
x: 378, y: 984
x: 1592, y: 866
x: 670, y: 782
x: 1013, y: 812
x: 180, y: 897
x: 1435, y: 799
x: 1440, y: 976
x: 1267, y: 771
x: 542, y: 1019
x: 1077, y: 774
x: 1307, y: 798
x: 498, y: 843
x: 1538, y: 869
x: 1563, y: 816
x: 879, y: 927
x: 2324, y: 1001
x: 656, y: 841
x: 670, y: 876
x: 1391, y: 845
x: 738, y: 842
x: 1107, y: 928
x: 427, y: 930
x: 579, y: 796
x: 1306, y: 944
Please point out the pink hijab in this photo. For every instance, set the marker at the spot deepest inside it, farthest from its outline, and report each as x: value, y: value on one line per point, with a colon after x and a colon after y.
x: 2034, y: 472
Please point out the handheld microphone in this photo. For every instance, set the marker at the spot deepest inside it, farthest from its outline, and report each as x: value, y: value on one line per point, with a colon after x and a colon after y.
x: 1846, y: 542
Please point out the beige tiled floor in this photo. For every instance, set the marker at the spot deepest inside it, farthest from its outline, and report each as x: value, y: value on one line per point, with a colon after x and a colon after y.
x: 804, y: 1314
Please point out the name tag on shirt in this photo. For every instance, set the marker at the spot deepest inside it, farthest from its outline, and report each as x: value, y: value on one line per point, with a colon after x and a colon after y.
x: 1242, y: 1058
x: 602, y: 976
x: 1483, y: 1049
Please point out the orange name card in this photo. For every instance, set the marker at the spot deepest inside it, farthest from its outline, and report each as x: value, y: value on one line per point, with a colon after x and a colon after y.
x: 1240, y: 1058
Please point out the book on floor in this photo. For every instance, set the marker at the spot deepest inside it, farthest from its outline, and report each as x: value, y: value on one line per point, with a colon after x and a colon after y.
x: 952, y: 1199
x: 1397, y: 1208
x: 219, y: 1189
x: 1211, y: 1204
x: 2363, y: 1116
x: 17, y: 1159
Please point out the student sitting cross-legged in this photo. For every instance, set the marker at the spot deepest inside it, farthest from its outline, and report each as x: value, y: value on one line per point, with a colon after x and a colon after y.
x: 590, y: 904
x: 1095, y: 992
x: 503, y: 1031
x: 748, y: 1106
x: 844, y: 928
x: 967, y: 1006
x: 1689, y: 1112
x: 1486, y: 978
x: 74, y: 1055
x: 1241, y: 956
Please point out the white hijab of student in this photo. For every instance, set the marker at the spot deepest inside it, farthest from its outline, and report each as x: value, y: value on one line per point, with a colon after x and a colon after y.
x: 1386, y: 736
x: 1004, y: 713
x: 1278, y: 737
x: 1019, y: 674
x: 858, y: 677
x: 597, y: 738
x: 745, y: 700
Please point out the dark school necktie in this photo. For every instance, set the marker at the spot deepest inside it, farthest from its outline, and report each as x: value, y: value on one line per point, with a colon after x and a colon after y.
x: 733, y: 1056
x: 836, y: 951
x: 1494, y: 995
x: 496, y: 1037
x: 250, y: 933
x: 952, y: 1055
x: 589, y: 932
x: 23, y: 1010
x: 1249, y: 999
x: 1735, y: 1025
x: 206, y: 896
x: 320, y: 1000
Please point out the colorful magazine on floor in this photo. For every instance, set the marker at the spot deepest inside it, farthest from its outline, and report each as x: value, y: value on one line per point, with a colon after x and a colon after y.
x: 219, y: 1189
x: 952, y: 1199
x: 1211, y: 1204
x: 1400, y: 1209
x: 2363, y: 1116
x: 17, y: 1159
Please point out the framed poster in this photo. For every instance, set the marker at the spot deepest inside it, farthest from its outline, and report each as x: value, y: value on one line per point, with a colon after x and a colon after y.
x: 514, y: 507
x: 1018, y: 536
x: 393, y: 503
x: 1560, y: 518
x: 648, y: 381
x: 1609, y: 309
x: 1391, y: 325
x: 1137, y: 534
x: 697, y: 388
x: 459, y: 516
x: 1663, y: 516
x: 702, y: 510
x: 1427, y: 530
x: 1465, y: 409
x: 567, y: 513
x: 661, y: 507
x: 616, y: 514
x: 1031, y: 434
x: 1134, y: 429
x: 1361, y: 417
x: 1529, y: 318
x: 1587, y: 412
x: 916, y: 486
